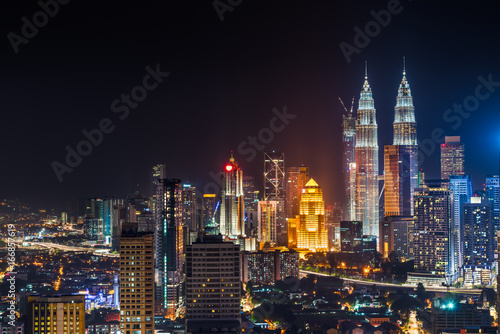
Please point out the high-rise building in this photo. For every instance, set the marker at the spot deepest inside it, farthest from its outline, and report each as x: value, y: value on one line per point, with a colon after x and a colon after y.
x: 213, y: 286
x: 433, y: 231
x: 232, y: 207
x: 461, y: 191
x: 192, y: 207
x: 93, y: 229
x: 333, y: 216
x: 274, y: 175
x: 169, y: 245
x: 56, y: 315
x: 367, y: 163
x: 401, y: 158
x: 159, y: 173
x: 478, y: 232
x: 296, y: 179
x: 275, y: 190
x: 111, y: 214
x: 397, y: 197
x: 349, y: 164
x: 492, y: 190
x: 209, y: 213
x: 396, y: 235
x: 136, y: 281
x: 452, y: 157
x: 267, y: 229
x: 311, y: 230
x: 251, y: 195
x: 351, y: 235
x: 268, y: 267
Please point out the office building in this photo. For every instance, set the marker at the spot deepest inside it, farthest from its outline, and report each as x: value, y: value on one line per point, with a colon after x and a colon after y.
x: 478, y: 232
x: 351, y: 236
x: 267, y: 229
x: 56, y: 314
x: 169, y: 246
x: 492, y: 190
x: 461, y: 191
x: 396, y: 235
x: 111, y: 216
x: 311, y: 229
x: 349, y: 163
x: 398, y: 181
x: 136, y: 281
x: 452, y: 315
x: 275, y: 190
x: 367, y: 162
x: 213, y: 286
x: 296, y: 179
x: 209, y: 213
x: 192, y: 208
x: 93, y: 229
x: 452, y: 157
x: 433, y: 232
x: 251, y: 195
x: 232, y: 207
x: 269, y: 266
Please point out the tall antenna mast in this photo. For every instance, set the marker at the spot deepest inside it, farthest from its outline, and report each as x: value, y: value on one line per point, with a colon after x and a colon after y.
x: 343, y: 105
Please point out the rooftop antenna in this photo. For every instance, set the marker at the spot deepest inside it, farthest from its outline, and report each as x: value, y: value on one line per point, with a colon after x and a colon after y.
x: 343, y: 105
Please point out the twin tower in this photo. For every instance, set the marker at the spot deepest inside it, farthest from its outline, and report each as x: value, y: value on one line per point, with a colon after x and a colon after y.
x: 361, y: 160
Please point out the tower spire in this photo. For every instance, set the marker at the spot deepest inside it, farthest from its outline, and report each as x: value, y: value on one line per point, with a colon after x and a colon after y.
x: 404, y: 66
x: 366, y: 70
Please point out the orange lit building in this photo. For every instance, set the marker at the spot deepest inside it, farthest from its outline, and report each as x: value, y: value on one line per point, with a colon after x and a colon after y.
x: 311, y: 231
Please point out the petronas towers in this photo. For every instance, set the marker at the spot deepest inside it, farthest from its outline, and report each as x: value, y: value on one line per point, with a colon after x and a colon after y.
x: 400, y: 161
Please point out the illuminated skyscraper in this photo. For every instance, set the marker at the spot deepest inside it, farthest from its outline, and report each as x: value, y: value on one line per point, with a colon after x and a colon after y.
x: 398, y: 192
x: 169, y: 245
x: 267, y: 231
x: 232, y: 207
x: 461, y: 191
x: 492, y: 189
x: 191, y: 203
x: 209, y: 217
x: 296, y: 179
x: 275, y: 190
x: 311, y: 230
x: 433, y: 230
x: 213, y: 286
x: 136, y: 281
x: 56, y: 314
x: 452, y: 157
x: 251, y: 195
x: 405, y: 136
x: 367, y: 190
x: 478, y: 232
x: 349, y: 163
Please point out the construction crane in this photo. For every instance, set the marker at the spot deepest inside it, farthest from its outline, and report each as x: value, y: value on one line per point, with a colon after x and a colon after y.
x: 343, y: 105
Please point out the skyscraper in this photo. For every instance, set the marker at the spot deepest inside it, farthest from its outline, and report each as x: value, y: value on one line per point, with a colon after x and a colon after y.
x: 251, y: 195
x: 275, y: 190
x: 191, y: 203
x: 209, y: 215
x: 296, y: 179
x: 168, y: 245
x: 136, y: 281
x: 351, y: 235
x: 478, y: 233
x: 349, y: 163
x: 433, y: 228
x: 367, y: 190
x: 212, y: 286
x: 267, y: 231
x: 274, y: 175
x: 397, y: 180
x: 232, y: 207
x: 311, y: 230
x: 492, y: 189
x: 461, y: 191
x: 452, y: 157
x: 111, y: 216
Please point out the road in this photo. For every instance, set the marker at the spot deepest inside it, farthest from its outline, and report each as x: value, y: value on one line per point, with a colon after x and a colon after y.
x: 413, y: 324
x: 98, y: 251
x: 389, y: 285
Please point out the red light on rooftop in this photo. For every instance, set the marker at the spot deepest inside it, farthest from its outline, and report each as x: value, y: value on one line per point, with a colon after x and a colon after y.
x: 229, y: 168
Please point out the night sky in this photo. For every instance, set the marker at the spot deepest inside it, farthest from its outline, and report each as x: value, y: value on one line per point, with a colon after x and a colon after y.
x: 225, y: 78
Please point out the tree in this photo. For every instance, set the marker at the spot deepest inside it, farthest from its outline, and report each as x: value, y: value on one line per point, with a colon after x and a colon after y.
x: 404, y: 305
x: 332, y: 260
